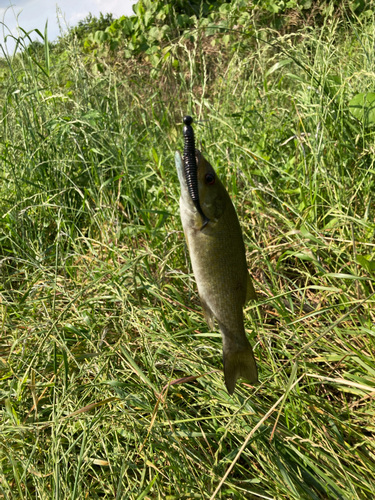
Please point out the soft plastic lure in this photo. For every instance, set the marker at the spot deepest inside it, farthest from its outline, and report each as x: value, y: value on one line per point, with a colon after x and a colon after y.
x: 190, y: 166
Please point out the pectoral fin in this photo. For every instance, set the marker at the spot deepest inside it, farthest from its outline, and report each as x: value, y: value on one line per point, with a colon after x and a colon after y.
x: 250, y: 291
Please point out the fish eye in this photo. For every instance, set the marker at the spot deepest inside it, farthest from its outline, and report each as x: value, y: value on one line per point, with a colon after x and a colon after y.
x: 209, y: 179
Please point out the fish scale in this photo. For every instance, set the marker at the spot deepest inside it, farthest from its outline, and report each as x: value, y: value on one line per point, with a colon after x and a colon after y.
x: 218, y: 259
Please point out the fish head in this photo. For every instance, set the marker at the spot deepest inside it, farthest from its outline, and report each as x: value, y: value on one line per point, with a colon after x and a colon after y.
x: 213, y: 196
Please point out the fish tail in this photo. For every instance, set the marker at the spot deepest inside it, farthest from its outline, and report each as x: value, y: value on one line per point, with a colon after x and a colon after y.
x: 239, y: 364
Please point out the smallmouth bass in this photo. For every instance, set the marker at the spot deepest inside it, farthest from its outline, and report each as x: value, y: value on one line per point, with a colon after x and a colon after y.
x: 218, y: 259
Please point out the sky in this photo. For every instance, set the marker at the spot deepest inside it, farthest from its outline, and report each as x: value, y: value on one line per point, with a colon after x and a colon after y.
x: 34, y: 14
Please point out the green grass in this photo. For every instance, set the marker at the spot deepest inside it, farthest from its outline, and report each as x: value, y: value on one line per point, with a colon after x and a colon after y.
x: 99, y: 311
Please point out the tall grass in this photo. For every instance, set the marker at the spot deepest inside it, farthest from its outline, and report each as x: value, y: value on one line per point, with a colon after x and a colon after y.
x: 100, y: 319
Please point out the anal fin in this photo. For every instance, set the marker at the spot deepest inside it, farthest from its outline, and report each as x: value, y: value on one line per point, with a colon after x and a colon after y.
x: 250, y: 291
x: 208, y: 314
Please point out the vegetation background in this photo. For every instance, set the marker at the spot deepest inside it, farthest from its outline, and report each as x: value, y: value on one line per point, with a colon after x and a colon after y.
x: 111, y: 383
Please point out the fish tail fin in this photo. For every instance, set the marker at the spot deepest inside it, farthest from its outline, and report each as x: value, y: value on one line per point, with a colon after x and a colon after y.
x: 239, y: 364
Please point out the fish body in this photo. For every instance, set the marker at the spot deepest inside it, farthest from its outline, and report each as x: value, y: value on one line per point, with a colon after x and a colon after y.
x: 218, y: 258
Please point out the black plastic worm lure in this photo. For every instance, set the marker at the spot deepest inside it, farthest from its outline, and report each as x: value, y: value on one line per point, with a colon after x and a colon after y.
x: 191, y: 169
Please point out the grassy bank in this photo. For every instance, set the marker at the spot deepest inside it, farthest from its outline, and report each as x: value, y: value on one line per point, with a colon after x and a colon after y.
x: 100, y: 318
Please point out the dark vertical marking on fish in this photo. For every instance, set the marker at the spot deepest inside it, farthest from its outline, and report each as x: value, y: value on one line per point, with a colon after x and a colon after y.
x: 191, y: 169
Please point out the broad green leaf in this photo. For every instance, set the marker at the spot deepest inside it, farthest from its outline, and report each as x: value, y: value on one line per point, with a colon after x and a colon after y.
x: 362, y: 106
x: 366, y: 262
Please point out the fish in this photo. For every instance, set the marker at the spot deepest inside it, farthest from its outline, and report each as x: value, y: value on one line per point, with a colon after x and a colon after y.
x: 217, y: 253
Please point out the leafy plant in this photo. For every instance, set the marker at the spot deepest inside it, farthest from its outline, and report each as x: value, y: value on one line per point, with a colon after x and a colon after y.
x: 92, y: 24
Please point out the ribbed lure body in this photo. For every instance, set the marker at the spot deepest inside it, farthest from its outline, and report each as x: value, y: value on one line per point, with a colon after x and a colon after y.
x: 190, y: 166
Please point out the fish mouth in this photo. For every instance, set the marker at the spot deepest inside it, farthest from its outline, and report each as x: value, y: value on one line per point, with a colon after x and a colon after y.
x: 191, y: 168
